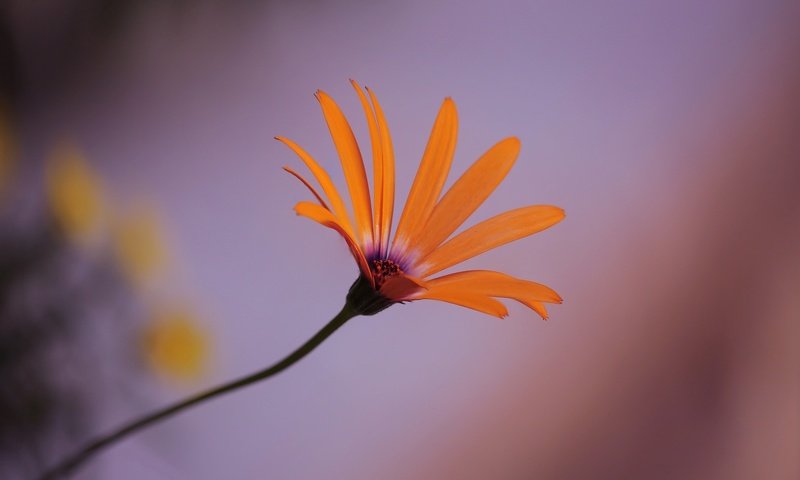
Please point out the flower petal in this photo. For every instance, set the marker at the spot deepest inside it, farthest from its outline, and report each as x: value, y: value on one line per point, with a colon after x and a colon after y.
x: 352, y: 164
x: 308, y: 185
x: 467, y: 194
x: 537, y: 307
x: 324, y: 217
x: 387, y: 192
x: 491, y: 233
x: 496, y: 284
x: 339, y: 210
x: 431, y: 176
x: 481, y: 303
x: 377, y: 167
x: 402, y: 287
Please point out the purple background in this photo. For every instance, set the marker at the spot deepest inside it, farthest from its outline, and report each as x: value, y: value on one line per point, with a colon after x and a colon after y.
x: 667, y: 130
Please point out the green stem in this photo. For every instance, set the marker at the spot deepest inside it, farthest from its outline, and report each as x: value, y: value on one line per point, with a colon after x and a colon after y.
x: 93, y: 447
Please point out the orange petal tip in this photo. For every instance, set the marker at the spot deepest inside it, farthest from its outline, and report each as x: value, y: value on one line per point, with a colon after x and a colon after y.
x: 557, y: 212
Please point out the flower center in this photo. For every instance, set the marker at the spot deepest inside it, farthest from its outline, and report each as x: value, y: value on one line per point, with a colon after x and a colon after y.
x: 384, y: 269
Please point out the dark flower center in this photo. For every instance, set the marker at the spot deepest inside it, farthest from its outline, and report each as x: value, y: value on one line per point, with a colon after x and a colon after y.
x: 384, y: 269
x: 366, y: 299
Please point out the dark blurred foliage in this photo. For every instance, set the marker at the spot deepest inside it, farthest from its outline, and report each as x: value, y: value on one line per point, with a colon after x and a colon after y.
x: 77, y: 32
x: 52, y: 299
x: 9, y: 58
x: 71, y: 317
x: 77, y: 326
x: 42, y: 44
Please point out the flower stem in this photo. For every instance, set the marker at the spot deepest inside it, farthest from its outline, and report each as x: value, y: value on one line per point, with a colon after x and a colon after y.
x: 93, y: 447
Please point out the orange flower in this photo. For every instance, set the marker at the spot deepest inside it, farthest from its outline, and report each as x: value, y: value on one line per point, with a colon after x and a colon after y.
x: 400, y: 270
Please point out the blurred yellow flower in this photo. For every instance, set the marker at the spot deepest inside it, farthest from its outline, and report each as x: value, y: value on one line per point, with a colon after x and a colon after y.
x: 139, y: 243
x: 175, y: 344
x: 7, y: 150
x: 74, y: 193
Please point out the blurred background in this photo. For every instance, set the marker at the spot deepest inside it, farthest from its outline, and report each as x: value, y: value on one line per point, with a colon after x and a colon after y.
x: 148, y: 247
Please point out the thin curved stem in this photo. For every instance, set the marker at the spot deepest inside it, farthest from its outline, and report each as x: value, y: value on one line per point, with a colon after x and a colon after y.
x: 95, y: 446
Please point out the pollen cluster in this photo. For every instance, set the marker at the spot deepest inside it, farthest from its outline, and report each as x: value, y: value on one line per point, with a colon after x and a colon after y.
x: 384, y: 269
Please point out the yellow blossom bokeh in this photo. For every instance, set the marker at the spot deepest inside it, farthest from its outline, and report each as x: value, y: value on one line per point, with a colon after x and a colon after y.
x: 139, y: 243
x: 74, y: 193
x: 176, y: 345
x: 7, y: 150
